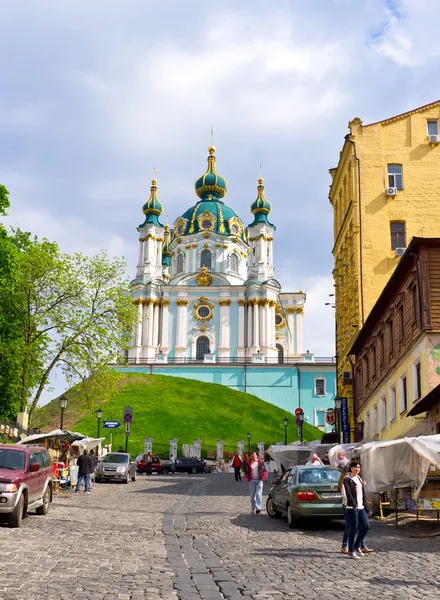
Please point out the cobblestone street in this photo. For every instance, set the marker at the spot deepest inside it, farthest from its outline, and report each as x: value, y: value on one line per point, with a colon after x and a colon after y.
x: 193, y: 537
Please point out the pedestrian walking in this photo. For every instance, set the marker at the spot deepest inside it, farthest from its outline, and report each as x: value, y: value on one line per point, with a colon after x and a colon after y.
x: 237, y: 464
x: 314, y: 460
x: 255, y: 472
x: 85, y: 470
x: 357, y: 512
x: 342, y: 462
x: 173, y: 463
x: 149, y: 464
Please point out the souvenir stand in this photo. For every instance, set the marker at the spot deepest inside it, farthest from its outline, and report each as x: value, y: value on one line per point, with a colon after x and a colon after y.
x: 77, y: 448
x: 58, y: 444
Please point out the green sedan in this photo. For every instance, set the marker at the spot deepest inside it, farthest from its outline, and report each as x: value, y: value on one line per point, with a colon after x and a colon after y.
x: 304, y: 492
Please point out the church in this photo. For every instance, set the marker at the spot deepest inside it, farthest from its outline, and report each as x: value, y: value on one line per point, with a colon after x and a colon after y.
x: 205, y: 288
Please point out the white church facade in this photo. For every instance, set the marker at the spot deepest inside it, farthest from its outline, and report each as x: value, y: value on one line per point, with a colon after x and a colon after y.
x: 205, y: 289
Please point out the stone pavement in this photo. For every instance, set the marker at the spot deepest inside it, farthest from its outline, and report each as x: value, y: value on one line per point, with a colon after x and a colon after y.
x: 193, y: 537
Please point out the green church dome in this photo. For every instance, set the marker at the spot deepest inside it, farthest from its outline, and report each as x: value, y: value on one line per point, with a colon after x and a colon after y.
x: 152, y: 209
x: 211, y: 183
x: 260, y: 207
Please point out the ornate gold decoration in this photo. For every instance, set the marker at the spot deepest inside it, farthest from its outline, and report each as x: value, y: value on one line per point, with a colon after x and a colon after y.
x: 290, y: 311
x: 156, y: 303
x: 204, y: 218
x: 272, y: 303
x: 137, y: 301
x: 218, y: 245
x: 187, y: 247
x: 203, y: 301
x: 194, y: 245
x: 202, y: 329
x: 242, y: 303
x: 300, y: 310
x: 165, y: 302
x: 221, y: 227
x: 206, y: 235
x: 224, y: 302
x: 182, y: 302
x: 279, y: 312
x: 178, y: 240
x: 180, y: 226
x: 172, y: 253
x: 193, y: 218
x: 255, y: 301
x: 203, y: 277
x: 235, y: 223
x: 225, y: 247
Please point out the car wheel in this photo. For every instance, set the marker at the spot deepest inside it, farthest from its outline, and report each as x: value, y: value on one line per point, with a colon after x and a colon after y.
x: 134, y: 477
x: 44, y: 508
x: 164, y: 472
x: 98, y: 480
x: 271, y: 510
x: 291, y: 520
x: 16, y: 517
x: 194, y: 471
x: 127, y: 478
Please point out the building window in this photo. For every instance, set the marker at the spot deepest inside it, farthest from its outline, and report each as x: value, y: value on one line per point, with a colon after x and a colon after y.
x: 415, y: 304
x: 319, y: 418
x: 374, y: 361
x: 395, y: 176
x: 202, y: 347
x: 417, y: 381
x: 393, y: 404
x: 320, y: 386
x: 367, y: 433
x: 383, y: 413
x: 398, y: 237
x: 280, y: 353
x: 205, y: 259
x: 391, y: 335
x: 179, y: 263
x: 233, y: 263
x: 374, y: 421
x: 403, y: 394
x: 367, y: 369
x: 432, y: 127
x: 382, y: 349
x: 402, y: 322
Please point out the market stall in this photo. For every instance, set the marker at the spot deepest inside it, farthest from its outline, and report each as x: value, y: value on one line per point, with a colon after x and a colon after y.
x: 297, y: 453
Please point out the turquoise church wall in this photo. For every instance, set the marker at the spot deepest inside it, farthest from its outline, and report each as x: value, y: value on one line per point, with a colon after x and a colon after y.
x: 282, y: 385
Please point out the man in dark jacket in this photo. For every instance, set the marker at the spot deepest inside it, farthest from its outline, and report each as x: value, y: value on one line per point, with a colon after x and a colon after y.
x: 85, y: 470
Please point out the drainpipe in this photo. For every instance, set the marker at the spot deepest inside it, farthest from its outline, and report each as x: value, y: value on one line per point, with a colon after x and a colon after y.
x: 360, y: 224
x: 299, y: 386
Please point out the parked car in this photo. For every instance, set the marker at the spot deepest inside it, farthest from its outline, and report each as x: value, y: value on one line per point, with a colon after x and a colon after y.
x: 306, y: 492
x: 26, y: 480
x: 116, y: 466
x: 156, y: 464
x: 185, y: 465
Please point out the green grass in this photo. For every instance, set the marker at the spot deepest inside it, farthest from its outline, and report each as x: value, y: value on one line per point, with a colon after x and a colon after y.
x: 166, y: 407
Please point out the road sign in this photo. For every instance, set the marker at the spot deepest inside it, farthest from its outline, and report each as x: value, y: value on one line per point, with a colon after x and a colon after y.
x: 111, y: 424
x: 299, y: 422
x: 330, y: 416
x: 298, y: 411
x: 128, y: 418
x: 127, y: 428
x: 128, y: 410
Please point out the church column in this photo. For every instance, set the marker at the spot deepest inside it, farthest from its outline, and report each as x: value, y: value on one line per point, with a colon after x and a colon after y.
x: 263, y: 338
x: 145, y: 322
x: 241, y: 321
x: 138, y: 302
x: 182, y: 315
x: 256, y: 339
x: 150, y: 321
x: 218, y: 257
x: 299, y: 331
x: 271, y: 341
x: 156, y: 324
x: 250, y: 321
x: 165, y: 325
x: 193, y: 263
x: 291, y: 331
x: 141, y: 251
x: 224, y: 349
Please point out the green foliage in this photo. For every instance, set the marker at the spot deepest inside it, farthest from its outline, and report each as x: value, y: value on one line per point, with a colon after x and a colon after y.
x: 166, y: 407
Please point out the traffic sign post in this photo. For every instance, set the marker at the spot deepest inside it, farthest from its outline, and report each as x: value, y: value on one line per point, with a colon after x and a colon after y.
x: 299, y: 414
x: 111, y: 424
x: 128, y: 419
x: 298, y: 411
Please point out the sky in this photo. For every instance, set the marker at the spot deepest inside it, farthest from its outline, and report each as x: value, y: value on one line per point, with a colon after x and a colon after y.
x: 94, y: 94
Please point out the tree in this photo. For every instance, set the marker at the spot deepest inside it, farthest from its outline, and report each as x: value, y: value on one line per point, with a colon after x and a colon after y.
x: 78, y: 314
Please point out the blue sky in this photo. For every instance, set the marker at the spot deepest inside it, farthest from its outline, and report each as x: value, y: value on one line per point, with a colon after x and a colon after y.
x: 93, y: 94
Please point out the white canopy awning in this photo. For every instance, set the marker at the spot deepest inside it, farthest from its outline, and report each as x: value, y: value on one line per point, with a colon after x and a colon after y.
x: 68, y: 436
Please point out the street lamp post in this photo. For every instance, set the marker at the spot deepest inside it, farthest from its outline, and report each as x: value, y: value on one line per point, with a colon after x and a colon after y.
x: 249, y: 441
x: 338, y: 404
x: 63, y: 405
x: 301, y: 422
x: 286, y: 422
x: 99, y: 415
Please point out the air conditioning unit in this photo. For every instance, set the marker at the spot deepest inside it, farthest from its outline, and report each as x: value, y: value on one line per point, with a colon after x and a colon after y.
x: 347, y: 378
x: 391, y: 191
x: 434, y: 139
x: 400, y: 251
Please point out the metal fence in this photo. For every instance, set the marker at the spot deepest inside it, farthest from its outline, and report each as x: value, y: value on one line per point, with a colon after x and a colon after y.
x: 232, y: 360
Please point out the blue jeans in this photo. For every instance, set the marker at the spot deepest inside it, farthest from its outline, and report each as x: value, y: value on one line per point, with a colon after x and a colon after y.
x: 86, y: 482
x: 346, y: 533
x: 256, y: 493
x: 358, y: 523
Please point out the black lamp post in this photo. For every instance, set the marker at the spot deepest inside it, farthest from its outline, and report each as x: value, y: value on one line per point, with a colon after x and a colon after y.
x: 63, y: 405
x: 301, y: 422
x: 249, y: 441
x: 99, y: 415
x: 338, y: 404
x: 286, y: 422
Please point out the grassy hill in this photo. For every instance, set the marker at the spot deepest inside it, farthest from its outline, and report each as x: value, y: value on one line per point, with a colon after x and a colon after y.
x: 166, y: 407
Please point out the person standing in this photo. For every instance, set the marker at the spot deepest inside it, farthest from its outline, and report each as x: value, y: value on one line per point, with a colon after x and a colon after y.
x: 149, y: 464
x: 237, y: 463
x: 357, y: 512
x: 85, y: 470
x: 342, y: 462
x: 173, y: 463
x: 255, y: 471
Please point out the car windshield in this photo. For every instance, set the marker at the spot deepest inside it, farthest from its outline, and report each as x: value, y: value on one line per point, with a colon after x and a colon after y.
x: 319, y: 476
x: 12, y: 459
x: 115, y: 458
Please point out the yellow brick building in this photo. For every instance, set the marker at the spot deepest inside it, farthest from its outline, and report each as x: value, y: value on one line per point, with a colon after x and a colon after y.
x: 384, y: 191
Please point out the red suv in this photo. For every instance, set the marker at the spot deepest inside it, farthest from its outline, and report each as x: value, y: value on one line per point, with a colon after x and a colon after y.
x: 26, y: 477
x: 156, y: 465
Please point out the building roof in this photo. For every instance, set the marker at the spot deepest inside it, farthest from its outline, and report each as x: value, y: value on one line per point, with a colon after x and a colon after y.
x: 390, y: 289
x: 405, y: 114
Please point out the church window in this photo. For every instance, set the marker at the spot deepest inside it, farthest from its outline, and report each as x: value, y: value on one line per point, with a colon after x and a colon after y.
x: 233, y: 263
x: 205, y: 259
x: 278, y: 319
x: 203, y: 311
x: 202, y: 347
x: 234, y: 228
x: 280, y: 353
x: 179, y: 263
x: 206, y: 224
x: 180, y: 228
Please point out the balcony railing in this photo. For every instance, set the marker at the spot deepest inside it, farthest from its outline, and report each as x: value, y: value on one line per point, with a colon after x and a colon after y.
x: 232, y: 360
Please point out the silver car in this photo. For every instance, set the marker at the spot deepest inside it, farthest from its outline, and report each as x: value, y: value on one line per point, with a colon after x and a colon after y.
x: 116, y: 466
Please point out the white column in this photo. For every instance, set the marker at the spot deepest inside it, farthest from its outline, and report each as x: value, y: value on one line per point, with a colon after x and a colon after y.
x: 241, y: 317
x: 156, y: 324
x: 299, y: 331
x: 262, y: 325
x: 181, y: 325
x: 256, y: 324
x: 224, y: 327
x: 145, y: 323
x: 173, y: 447
x: 271, y: 325
x: 165, y: 325
x: 150, y: 322
x: 218, y: 250
x: 139, y: 323
x: 291, y: 331
x: 141, y: 252
x: 249, y: 330
x: 194, y: 258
